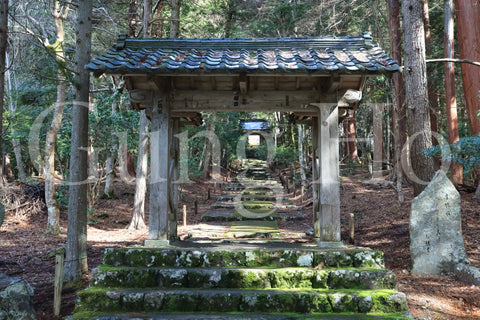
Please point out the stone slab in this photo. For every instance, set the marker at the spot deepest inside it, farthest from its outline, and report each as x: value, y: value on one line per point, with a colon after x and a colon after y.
x: 244, y: 316
x: 436, y: 241
x: 234, y: 300
x: 252, y: 228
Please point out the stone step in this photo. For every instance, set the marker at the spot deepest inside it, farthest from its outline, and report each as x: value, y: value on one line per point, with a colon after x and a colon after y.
x: 246, y: 204
x: 238, y: 316
x: 227, y: 198
x: 244, y: 254
x: 238, y: 187
x: 230, y: 300
x: 251, y: 205
x: 229, y: 214
x: 244, y: 278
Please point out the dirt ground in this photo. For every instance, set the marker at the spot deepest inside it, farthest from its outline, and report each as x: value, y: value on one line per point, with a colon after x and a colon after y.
x: 381, y: 223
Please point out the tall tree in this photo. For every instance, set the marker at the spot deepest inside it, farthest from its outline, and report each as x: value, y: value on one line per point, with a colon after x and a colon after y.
x: 349, y: 129
x: 76, y: 259
x: 3, y: 68
x: 416, y: 95
x: 468, y: 28
x: 138, y: 212
x: 15, y: 142
x: 175, y: 18
x: 450, y: 99
x: 398, y: 112
x: 433, y: 95
x: 53, y: 224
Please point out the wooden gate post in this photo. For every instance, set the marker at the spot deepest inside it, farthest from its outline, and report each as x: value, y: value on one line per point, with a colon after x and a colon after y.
x: 315, y: 179
x: 327, y: 217
x: 159, y: 173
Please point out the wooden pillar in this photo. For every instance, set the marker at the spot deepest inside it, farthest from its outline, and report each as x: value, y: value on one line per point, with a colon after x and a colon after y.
x: 159, y: 173
x: 315, y: 162
x: 327, y: 218
x: 173, y: 194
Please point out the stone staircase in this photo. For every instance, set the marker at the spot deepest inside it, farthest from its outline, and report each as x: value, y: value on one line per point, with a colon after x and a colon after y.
x: 241, y: 280
x: 254, y: 190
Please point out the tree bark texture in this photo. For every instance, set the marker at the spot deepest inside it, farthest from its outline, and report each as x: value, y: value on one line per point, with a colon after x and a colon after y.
x: 420, y: 135
x: 147, y: 13
x: 468, y: 28
x: 138, y: 213
x: 15, y: 143
x: 450, y: 98
x: 76, y: 256
x: 175, y: 18
x: 132, y: 18
x: 3, y: 52
x: 432, y: 90
x: 109, y: 167
x: 349, y: 129
x: 53, y: 223
x: 301, y: 154
x: 396, y: 45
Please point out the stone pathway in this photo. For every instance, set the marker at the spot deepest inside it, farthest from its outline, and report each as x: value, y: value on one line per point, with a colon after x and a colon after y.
x: 251, y: 203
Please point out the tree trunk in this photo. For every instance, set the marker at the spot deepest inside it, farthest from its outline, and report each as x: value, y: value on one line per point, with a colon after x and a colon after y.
x: 175, y: 18
x: 3, y: 51
x: 147, y: 13
x: 398, y: 110
x: 301, y: 154
x: 132, y: 18
x: 53, y: 223
x: 468, y: 28
x: 207, y: 151
x: 477, y: 193
x: 450, y: 99
x: 15, y: 143
x: 396, y: 45
x: 349, y: 130
x: 76, y: 258
x: 108, y: 191
x: 230, y: 11
x: 432, y: 90
x: 138, y: 214
x: 421, y: 168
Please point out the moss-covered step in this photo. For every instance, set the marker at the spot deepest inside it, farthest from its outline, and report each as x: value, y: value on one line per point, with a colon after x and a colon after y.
x: 220, y: 300
x: 252, y: 229
x: 255, y: 197
x: 246, y: 204
x: 232, y: 215
x: 241, y: 278
x: 237, y: 316
x: 244, y: 255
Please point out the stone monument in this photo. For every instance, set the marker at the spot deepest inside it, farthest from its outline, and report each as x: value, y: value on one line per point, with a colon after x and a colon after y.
x: 436, y: 241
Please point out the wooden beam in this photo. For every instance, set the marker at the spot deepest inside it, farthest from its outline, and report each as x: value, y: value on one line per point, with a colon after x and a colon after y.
x: 287, y: 101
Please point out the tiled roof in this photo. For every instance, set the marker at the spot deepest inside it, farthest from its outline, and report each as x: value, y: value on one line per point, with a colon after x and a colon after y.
x: 275, y: 55
x: 254, y: 124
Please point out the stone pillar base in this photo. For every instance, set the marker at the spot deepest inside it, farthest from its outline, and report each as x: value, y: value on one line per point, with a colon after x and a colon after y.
x: 330, y: 244
x: 156, y: 243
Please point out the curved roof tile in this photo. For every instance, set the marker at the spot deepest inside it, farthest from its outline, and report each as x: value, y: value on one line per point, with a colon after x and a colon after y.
x: 309, y: 55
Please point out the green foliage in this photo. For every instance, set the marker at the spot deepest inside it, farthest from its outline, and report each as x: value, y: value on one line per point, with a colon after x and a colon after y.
x: 466, y: 152
x: 285, y: 154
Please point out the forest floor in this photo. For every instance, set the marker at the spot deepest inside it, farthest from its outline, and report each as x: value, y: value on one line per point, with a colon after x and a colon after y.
x: 381, y: 224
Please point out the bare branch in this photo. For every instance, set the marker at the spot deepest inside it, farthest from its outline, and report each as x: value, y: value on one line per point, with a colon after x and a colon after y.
x: 475, y: 63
